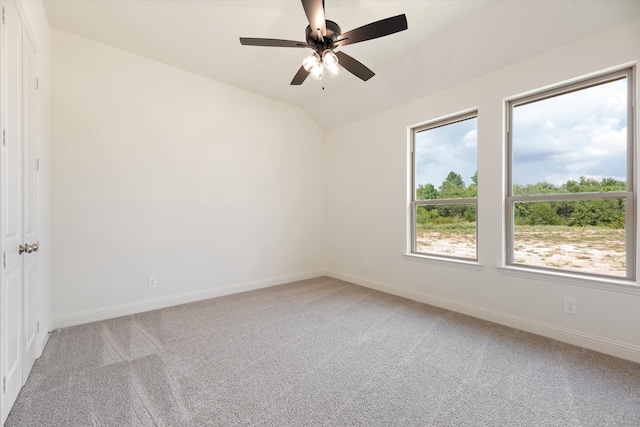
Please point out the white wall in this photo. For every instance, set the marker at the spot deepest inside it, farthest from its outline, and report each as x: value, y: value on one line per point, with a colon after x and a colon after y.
x: 38, y: 24
x: 367, y: 208
x: 159, y: 171
x: 213, y: 189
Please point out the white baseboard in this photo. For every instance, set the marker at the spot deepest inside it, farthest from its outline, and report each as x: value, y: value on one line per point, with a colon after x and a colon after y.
x: 94, y: 315
x: 581, y: 339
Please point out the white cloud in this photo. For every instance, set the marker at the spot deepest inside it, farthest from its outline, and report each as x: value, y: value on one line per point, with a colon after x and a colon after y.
x: 582, y: 133
x: 445, y: 149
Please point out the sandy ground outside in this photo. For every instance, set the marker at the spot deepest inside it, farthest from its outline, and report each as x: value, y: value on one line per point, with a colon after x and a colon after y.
x: 594, y: 250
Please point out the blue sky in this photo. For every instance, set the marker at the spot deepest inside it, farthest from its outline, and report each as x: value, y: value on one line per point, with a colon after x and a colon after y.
x: 578, y: 134
x: 582, y: 133
x: 445, y: 149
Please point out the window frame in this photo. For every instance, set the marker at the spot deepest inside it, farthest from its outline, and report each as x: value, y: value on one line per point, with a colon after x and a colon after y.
x: 628, y: 196
x: 433, y: 124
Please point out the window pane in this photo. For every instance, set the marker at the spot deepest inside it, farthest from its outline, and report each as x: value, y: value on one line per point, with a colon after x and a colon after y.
x: 574, y: 142
x: 586, y: 236
x: 446, y: 161
x: 446, y: 230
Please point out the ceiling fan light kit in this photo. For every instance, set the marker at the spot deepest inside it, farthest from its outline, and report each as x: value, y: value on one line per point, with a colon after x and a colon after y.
x: 313, y: 65
x: 323, y: 36
x: 330, y: 61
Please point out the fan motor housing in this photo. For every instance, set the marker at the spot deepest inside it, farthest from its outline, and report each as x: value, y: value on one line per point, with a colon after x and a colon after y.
x: 332, y: 34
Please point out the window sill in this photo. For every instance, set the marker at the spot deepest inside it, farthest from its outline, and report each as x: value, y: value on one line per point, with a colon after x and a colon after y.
x: 445, y: 262
x: 608, y: 284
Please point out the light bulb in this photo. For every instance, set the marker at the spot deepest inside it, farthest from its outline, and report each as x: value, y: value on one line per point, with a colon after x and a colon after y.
x: 310, y: 61
x: 330, y: 61
x: 317, y: 70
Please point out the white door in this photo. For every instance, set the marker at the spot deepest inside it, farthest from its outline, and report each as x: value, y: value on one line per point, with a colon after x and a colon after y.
x: 12, y: 341
x: 29, y: 208
x: 18, y: 296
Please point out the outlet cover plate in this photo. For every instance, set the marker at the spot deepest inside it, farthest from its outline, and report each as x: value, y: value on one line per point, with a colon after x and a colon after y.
x: 152, y: 282
x: 571, y: 305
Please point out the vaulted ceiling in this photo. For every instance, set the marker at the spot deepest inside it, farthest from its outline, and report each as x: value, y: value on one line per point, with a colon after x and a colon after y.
x: 447, y: 42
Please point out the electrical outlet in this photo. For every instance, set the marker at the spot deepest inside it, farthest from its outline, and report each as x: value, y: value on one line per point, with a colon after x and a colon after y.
x: 292, y: 262
x: 152, y: 282
x: 367, y: 265
x: 570, y: 305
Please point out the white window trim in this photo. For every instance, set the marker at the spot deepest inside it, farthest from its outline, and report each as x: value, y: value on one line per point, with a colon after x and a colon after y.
x: 463, y: 263
x: 628, y: 282
x: 412, y: 253
x: 608, y: 283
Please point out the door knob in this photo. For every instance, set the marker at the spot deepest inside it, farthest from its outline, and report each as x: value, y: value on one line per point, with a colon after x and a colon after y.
x: 28, y: 248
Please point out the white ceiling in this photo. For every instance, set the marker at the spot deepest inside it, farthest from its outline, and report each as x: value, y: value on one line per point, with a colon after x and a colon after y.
x: 447, y: 42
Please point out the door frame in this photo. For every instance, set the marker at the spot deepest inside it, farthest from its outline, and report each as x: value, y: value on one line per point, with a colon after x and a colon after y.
x: 38, y: 340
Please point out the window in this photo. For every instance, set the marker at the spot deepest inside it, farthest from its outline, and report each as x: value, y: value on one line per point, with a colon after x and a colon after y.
x: 444, y: 187
x: 570, y: 191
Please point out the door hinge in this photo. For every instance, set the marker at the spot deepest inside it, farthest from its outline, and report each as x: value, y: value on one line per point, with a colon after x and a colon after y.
x: 4, y: 384
x: 37, y: 83
x: 37, y: 165
x: 4, y: 19
x: 37, y: 327
x: 4, y: 260
x: 4, y: 137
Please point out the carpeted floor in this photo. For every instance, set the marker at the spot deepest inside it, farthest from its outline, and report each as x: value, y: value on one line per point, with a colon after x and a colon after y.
x: 320, y: 352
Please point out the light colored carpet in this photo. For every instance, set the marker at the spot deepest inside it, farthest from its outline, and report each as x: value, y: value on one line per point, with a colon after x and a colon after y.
x: 320, y: 352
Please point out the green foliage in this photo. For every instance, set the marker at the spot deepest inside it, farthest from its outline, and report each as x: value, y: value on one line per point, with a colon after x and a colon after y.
x: 584, y: 185
x: 543, y: 213
x: 470, y: 215
x: 445, y: 214
x: 426, y: 192
x: 422, y: 215
x: 598, y: 213
x: 452, y: 187
x: 451, y: 228
x: 536, y: 189
x: 610, y: 184
x: 454, y: 179
x: 574, y: 213
x: 590, y: 185
x: 471, y: 191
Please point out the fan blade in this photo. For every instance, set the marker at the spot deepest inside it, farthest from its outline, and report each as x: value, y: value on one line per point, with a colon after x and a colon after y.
x: 381, y: 28
x: 300, y: 77
x: 248, y: 41
x: 315, y: 15
x: 355, y: 67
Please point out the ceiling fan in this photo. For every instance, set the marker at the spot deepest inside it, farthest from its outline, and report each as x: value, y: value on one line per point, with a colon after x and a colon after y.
x: 323, y: 36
